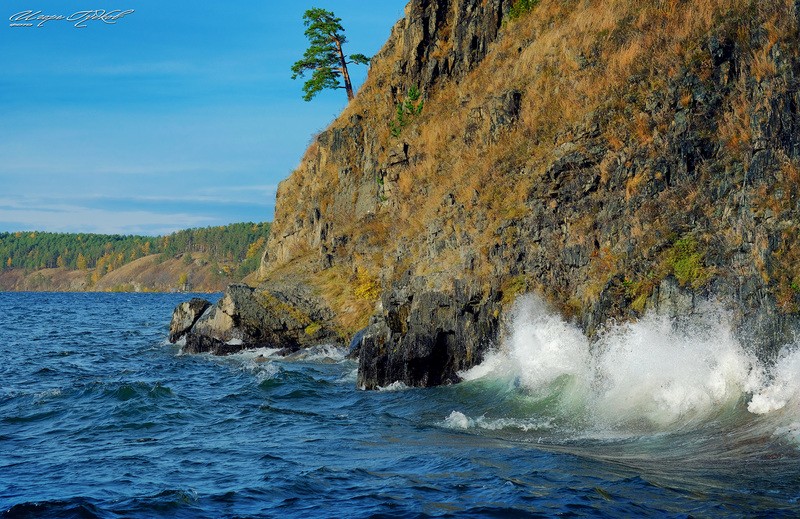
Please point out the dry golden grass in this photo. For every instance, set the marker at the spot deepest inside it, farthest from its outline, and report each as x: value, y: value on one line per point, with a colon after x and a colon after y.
x: 734, y: 128
x: 790, y: 171
x: 336, y: 288
x: 569, y: 59
x: 763, y: 66
x: 633, y: 184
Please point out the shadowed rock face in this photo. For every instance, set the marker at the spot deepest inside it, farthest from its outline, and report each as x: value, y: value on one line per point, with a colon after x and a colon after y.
x: 424, y: 338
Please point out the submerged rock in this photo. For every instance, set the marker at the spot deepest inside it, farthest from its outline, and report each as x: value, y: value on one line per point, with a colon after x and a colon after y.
x: 184, y: 316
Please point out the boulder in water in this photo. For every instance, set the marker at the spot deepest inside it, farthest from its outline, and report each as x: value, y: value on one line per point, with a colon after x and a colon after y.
x: 185, y: 316
x: 424, y: 338
x: 285, y: 317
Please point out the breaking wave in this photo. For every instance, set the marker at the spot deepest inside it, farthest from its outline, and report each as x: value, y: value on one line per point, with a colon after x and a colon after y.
x: 651, y: 376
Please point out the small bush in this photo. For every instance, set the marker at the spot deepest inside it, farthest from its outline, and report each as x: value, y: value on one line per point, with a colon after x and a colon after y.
x: 521, y: 7
x: 367, y: 287
x: 513, y: 288
x: 406, y: 110
x: 312, y: 329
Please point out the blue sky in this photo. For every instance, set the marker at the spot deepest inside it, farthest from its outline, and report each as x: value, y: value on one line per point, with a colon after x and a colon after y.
x: 182, y: 114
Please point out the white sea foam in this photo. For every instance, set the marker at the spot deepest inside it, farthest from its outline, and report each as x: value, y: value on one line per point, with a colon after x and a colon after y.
x: 50, y: 393
x: 258, y: 362
x: 397, y: 385
x: 329, y: 353
x: 349, y: 378
x: 782, y: 392
x: 541, y: 349
x: 266, y: 371
x: 653, y: 374
x: 670, y: 373
x: 255, y: 354
x: 458, y: 420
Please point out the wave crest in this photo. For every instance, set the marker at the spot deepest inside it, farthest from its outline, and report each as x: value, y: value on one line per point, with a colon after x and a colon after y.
x: 655, y: 374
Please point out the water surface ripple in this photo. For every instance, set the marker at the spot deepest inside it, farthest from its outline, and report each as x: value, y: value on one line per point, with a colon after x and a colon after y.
x: 100, y: 418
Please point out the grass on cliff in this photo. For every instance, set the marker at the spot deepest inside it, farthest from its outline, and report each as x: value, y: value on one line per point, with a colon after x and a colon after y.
x: 352, y: 295
x: 685, y: 260
x: 578, y: 65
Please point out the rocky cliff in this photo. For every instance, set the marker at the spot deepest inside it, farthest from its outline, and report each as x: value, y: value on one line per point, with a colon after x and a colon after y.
x: 616, y: 157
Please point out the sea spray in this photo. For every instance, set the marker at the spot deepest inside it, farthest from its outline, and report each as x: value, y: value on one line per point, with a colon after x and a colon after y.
x: 654, y: 375
x: 458, y: 420
x: 777, y: 401
x: 782, y: 392
x: 664, y: 373
x: 544, y: 356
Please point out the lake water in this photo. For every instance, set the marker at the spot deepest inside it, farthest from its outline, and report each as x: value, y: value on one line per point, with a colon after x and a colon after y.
x: 99, y: 417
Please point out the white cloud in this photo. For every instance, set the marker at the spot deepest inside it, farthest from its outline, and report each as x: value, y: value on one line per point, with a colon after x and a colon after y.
x: 81, y: 219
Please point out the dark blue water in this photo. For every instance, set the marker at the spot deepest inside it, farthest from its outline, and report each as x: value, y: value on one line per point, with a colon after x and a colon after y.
x: 100, y: 418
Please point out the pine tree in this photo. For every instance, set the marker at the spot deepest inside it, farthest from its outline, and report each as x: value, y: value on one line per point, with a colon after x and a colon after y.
x: 325, y: 57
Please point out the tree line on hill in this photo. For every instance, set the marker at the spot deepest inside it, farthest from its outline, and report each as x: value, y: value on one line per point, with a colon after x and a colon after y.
x: 238, y: 246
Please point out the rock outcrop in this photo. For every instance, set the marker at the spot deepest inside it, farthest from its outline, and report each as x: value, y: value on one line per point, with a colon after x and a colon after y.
x: 287, y: 318
x: 616, y: 159
x: 424, y: 338
x: 443, y: 39
x: 184, y: 317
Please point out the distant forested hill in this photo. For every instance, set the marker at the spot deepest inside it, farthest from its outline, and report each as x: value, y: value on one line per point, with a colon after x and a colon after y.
x: 60, y: 261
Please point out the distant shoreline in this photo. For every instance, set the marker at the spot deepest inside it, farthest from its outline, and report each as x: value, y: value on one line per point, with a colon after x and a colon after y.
x: 149, y: 274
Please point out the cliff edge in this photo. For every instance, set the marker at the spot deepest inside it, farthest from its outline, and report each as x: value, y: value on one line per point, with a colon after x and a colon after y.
x: 615, y: 157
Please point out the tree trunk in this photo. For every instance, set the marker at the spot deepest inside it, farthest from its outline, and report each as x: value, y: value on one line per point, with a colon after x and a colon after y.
x: 348, y: 86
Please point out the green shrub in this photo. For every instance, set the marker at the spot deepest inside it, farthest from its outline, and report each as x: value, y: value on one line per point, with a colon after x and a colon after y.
x: 408, y: 109
x: 521, y: 7
x: 513, y: 288
x: 313, y: 328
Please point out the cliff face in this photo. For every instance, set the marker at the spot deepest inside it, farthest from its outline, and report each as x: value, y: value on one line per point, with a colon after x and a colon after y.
x: 616, y: 157
x: 341, y: 181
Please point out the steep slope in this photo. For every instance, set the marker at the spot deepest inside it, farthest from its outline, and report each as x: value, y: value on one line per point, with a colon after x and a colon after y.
x: 151, y: 273
x: 342, y: 214
x: 616, y: 157
x: 201, y: 259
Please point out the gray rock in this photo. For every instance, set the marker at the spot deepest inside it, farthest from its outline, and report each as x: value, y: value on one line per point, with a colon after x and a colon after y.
x: 504, y: 112
x: 184, y: 316
x: 471, y: 28
x: 424, y: 339
x: 285, y: 317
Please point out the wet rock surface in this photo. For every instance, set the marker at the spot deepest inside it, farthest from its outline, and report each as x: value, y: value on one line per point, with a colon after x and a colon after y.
x: 424, y: 338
